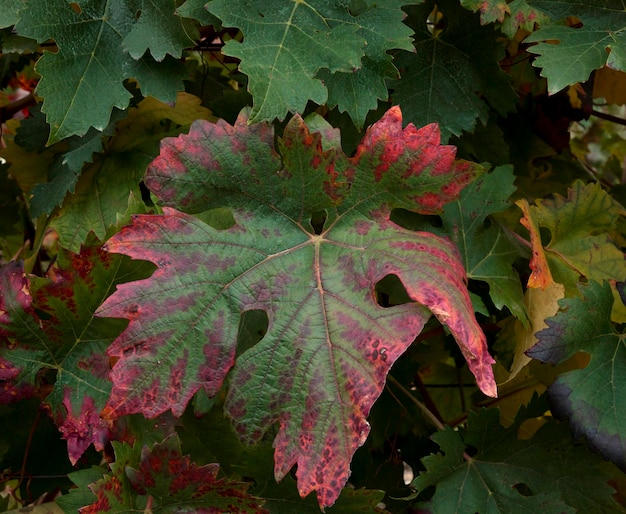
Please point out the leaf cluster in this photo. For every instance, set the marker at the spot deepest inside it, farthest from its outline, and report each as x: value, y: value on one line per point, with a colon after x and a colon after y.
x: 282, y: 256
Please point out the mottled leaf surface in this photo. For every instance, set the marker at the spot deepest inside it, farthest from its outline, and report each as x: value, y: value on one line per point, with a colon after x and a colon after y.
x: 48, y: 324
x: 91, y: 40
x: 329, y: 344
x: 522, y: 16
x: 591, y: 398
x: 445, y: 76
x: 287, y: 43
x: 568, y: 54
x: 160, y: 479
x: 505, y: 474
x: 490, y: 10
x: 487, y: 252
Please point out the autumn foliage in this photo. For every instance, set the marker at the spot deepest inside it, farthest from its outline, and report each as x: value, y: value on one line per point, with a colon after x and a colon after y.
x: 282, y: 256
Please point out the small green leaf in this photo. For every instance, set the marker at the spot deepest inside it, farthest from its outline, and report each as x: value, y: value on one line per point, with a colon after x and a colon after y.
x: 568, y: 55
x: 159, y: 31
x: 196, y: 9
x: 490, y: 10
x: 286, y: 44
x: 91, y: 64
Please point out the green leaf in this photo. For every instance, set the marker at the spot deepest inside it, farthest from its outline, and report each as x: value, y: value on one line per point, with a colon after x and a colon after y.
x: 158, y: 30
x: 488, y: 252
x: 591, y: 398
x: 285, y: 45
x: 91, y: 64
x: 196, y: 9
x: 329, y: 344
x: 9, y: 12
x: 600, y: 41
x: 64, y: 171
x: 106, y: 188
x: 443, y: 79
x: 508, y: 475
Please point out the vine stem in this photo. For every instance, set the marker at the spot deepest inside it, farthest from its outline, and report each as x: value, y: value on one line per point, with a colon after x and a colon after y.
x: 427, y: 412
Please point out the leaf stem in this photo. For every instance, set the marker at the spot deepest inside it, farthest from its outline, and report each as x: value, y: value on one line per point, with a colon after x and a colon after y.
x: 427, y: 412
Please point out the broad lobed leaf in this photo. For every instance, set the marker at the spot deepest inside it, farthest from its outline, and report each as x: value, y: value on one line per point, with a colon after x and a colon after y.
x: 329, y: 344
x: 449, y: 75
x: 286, y: 44
x: 567, y: 54
x: 103, y: 43
x: 505, y: 474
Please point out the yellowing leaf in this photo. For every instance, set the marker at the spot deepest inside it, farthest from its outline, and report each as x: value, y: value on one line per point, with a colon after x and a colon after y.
x: 541, y: 303
x: 540, y: 276
x: 580, y: 245
x: 610, y: 84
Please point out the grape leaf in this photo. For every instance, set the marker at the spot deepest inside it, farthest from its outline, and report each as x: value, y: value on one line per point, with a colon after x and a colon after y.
x: 49, y: 324
x: 522, y: 16
x: 159, y: 31
x: 159, y: 479
x: 65, y: 169
x: 490, y: 10
x: 579, y: 50
x: 591, y: 398
x: 508, y: 475
x: 196, y: 9
x: 285, y: 45
x: 329, y: 345
x: 90, y: 52
x: 107, y: 188
x: 9, y: 12
x: 443, y: 78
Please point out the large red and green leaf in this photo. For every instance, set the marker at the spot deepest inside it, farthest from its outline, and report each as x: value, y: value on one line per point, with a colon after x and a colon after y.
x: 309, y: 239
x: 47, y: 328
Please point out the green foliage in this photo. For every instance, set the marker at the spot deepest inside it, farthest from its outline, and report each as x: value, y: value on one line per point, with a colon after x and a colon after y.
x: 505, y: 474
x: 235, y: 222
x: 580, y: 49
